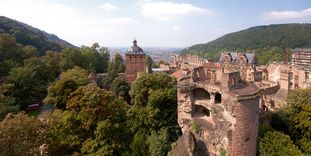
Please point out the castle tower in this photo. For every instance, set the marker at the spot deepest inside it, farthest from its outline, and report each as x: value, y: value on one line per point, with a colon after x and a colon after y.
x: 135, y: 62
x: 284, y: 77
x: 227, y: 112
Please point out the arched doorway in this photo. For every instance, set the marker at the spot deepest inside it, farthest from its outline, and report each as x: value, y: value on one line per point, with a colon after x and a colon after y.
x: 201, y: 94
x: 217, y: 98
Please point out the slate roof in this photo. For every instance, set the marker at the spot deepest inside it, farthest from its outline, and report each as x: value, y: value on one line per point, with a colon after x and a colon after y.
x: 135, y: 49
x: 251, y: 58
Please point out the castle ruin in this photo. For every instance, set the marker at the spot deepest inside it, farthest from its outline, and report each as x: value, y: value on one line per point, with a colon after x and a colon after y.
x: 221, y: 102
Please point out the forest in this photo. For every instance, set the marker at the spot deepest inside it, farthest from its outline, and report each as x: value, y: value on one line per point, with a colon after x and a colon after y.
x: 270, y: 43
x: 87, y: 119
x: 28, y: 35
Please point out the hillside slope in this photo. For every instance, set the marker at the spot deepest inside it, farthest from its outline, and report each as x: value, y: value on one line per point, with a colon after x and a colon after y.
x: 259, y: 38
x: 28, y: 35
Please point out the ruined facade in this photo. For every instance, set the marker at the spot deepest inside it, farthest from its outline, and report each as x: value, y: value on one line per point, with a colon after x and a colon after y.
x: 187, y: 61
x: 225, y: 107
x: 135, y: 62
x: 243, y: 62
x: 301, y: 58
x: 226, y: 99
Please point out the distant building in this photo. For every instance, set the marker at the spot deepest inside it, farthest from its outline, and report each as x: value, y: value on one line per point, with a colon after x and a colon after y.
x: 243, y: 62
x: 301, y: 58
x: 135, y: 62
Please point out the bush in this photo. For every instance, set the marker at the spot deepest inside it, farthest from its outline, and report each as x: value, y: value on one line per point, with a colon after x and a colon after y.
x: 196, y: 127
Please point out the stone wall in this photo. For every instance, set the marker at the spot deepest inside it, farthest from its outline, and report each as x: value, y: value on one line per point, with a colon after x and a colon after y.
x: 244, y: 134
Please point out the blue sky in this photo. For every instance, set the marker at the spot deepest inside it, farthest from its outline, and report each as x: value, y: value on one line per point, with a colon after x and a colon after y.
x: 162, y: 23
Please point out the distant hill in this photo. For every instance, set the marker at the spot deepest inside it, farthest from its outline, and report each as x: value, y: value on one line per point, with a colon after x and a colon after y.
x: 28, y: 35
x: 259, y: 39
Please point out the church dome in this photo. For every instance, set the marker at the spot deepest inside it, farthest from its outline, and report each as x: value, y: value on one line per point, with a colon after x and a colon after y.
x: 135, y: 49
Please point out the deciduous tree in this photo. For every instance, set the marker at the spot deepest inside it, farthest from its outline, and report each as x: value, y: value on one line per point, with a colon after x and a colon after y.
x: 58, y: 93
x: 154, y: 107
x: 277, y: 143
x: 22, y: 135
x: 93, y: 123
x: 299, y: 115
x: 7, y: 103
x: 121, y: 88
x: 29, y: 81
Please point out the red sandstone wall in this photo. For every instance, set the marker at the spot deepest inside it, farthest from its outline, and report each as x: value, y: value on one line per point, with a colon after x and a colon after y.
x: 244, y: 135
x: 134, y: 63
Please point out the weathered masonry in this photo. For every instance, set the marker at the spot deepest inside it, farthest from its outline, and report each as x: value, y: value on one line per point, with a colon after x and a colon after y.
x: 225, y: 107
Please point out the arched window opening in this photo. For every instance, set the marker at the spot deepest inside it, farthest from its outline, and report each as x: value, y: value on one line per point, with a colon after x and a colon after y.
x: 200, y: 111
x: 201, y: 94
x: 217, y: 98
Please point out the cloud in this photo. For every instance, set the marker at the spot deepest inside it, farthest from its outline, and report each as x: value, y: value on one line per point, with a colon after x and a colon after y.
x: 164, y: 11
x: 176, y: 28
x: 120, y: 20
x: 109, y: 7
x: 288, y: 15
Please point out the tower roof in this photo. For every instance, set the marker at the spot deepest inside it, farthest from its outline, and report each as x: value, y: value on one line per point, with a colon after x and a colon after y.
x: 135, y: 49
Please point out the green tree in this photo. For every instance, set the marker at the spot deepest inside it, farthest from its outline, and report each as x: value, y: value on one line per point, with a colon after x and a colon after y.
x: 30, y: 51
x: 154, y: 106
x: 269, y: 55
x: 119, y: 63
x: 139, y: 146
x: 22, y: 135
x: 91, y: 57
x: 159, y: 143
x: 71, y: 57
x: 65, y: 134
x: 7, y: 103
x: 93, y: 123
x: 115, y: 66
x: 277, y: 144
x: 121, y: 88
x: 150, y: 63
x: 29, y: 81
x: 69, y: 81
x: 299, y: 112
x: 10, y: 54
x: 112, y: 73
x: 104, y: 59
x: 52, y: 59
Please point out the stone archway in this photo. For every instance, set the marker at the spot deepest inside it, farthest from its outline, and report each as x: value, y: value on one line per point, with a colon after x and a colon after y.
x: 201, y: 111
x: 200, y: 94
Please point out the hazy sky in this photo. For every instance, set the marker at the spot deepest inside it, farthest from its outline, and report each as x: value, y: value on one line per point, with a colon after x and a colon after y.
x: 166, y: 23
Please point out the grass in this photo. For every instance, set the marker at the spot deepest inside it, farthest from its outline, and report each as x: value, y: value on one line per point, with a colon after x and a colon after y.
x: 34, y: 113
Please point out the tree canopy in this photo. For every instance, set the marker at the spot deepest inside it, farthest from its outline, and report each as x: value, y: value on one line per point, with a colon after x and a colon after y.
x: 299, y: 117
x: 29, y: 81
x: 277, y: 144
x: 121, y: 88
x: 59, y: 91
x: 7, y: 103
x: 92, y: 123
x: 22, y: 135
x: 153, y: 113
